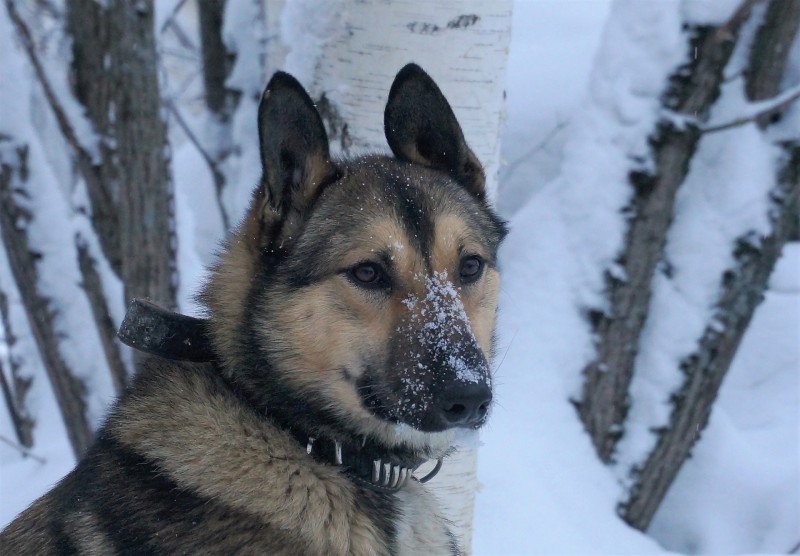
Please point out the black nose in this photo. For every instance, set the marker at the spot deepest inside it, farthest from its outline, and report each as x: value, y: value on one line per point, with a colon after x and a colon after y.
x: 464, y: 404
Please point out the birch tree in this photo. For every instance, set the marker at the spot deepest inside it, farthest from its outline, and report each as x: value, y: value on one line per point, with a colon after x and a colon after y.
x: 349, y: 67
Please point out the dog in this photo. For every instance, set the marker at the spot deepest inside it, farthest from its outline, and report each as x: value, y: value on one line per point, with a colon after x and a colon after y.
x: 350, y: 330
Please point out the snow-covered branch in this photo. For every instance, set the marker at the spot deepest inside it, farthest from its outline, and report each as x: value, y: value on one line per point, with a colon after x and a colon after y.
x: 692, y: 90
x: 741, y: 285
x: 15, y: 387
x: 104, y: 213
x: 757, y: 110
x: 70, y: 391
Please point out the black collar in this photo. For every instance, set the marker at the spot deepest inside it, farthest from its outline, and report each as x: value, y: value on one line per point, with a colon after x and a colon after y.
x: 155, y: 330
x: 367, y: 465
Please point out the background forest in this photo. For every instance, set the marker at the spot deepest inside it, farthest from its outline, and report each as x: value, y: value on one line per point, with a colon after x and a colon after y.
x: 646, y: 154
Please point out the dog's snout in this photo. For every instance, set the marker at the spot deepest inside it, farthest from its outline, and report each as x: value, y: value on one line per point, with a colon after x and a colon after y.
x: 465, y: 404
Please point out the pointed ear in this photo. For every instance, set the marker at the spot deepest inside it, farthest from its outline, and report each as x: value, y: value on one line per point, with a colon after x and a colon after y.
x: 294, y: 154
x: 421, y: 128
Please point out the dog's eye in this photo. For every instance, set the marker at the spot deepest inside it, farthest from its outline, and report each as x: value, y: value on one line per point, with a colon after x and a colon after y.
x: 365, y: 273
x: 470, y: 269
x: 368, y: 275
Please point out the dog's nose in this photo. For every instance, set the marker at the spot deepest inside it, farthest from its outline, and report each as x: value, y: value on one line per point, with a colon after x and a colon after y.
x: 465, y: 405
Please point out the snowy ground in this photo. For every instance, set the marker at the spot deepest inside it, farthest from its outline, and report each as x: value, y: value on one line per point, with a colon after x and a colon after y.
x: 543, y: 490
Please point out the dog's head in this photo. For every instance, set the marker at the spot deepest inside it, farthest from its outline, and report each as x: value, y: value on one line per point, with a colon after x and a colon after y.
x: 358, y: 297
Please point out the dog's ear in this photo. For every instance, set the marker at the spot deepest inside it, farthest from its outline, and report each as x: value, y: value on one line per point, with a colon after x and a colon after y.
x: 421, y: 127
x: 295, y: 157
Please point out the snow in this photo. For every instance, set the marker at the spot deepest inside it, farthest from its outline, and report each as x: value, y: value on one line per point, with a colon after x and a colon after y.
x: 199, y: 223
x: 584, y: 82
x: 543, y: 491
x: 745, y: 470
x: 709, y: 12
x: 243, y: 33
x: 53, y: 227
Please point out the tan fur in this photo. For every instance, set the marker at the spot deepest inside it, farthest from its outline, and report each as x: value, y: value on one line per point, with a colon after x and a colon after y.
x: 226, y: 291
x: 89, y: 545
x: 480, y: 301
x: 257, y: 469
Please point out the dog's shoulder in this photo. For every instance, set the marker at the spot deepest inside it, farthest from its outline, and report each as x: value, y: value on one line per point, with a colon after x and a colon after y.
x: 182, y: 464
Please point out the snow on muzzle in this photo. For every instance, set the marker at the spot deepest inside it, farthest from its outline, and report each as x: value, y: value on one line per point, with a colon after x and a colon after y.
x: 444, y: 378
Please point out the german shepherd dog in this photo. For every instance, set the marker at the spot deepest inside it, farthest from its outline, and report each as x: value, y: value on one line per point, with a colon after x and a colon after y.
x: 351, y: 318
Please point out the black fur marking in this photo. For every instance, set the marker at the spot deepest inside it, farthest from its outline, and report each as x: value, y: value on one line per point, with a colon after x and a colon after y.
x: 416, y: 214
x: 148, y: 512
x: 132, y: 516
x: 63, y: 542
x: 420, y: 127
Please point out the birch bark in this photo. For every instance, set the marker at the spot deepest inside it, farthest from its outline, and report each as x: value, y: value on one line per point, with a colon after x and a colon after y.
x: 348, y: 60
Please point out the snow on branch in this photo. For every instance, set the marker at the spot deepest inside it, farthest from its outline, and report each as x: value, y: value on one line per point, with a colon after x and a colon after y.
x: 104, y: 213
x: 757, y: 110
x: 69, y: 390
x: 15, y: 388
x: 741, y: 291
x: 692, y: 89
x: 741, y: 285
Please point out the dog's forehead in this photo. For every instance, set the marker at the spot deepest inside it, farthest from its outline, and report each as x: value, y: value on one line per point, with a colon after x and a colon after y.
x: 375, y: 189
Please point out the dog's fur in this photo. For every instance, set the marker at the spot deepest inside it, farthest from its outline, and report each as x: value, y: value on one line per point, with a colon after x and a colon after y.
x: 344, y: 307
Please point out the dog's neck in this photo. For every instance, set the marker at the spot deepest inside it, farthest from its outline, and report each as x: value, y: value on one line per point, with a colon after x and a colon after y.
x: 154, y: 330
x: 367, y: 462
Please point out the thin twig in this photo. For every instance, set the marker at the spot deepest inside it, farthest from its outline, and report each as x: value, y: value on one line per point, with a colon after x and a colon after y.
x: 180, y: 35
x: 26, y: 38
x: 219, y: 178
x: 513, y: 166
x: 23, y: 450
x: 761, y: 109
x: 172, y: 15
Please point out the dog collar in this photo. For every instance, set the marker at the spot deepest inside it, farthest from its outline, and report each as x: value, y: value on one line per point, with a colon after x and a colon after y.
x: 367, y: 466
x: 155, y: 330
x: 158, y: 331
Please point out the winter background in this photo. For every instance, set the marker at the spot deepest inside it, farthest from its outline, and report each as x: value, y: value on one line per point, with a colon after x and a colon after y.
x: 579, y: 95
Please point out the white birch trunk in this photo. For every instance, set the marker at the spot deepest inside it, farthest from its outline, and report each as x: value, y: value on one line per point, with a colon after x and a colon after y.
x: 349, y: 51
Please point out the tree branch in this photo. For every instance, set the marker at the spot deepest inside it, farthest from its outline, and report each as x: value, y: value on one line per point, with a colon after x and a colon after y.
x: 514, y: 165
x: 93, y: 287
x: 104, y: 214
x: 15, y: 392
x: 116, y: 68
x: 741, y: 291
x: 692, y: 90
x: 216, y: 174
x: 69, y: 391
x: 769, y: 52
x: 760, y: 111
x: 23, y: 450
